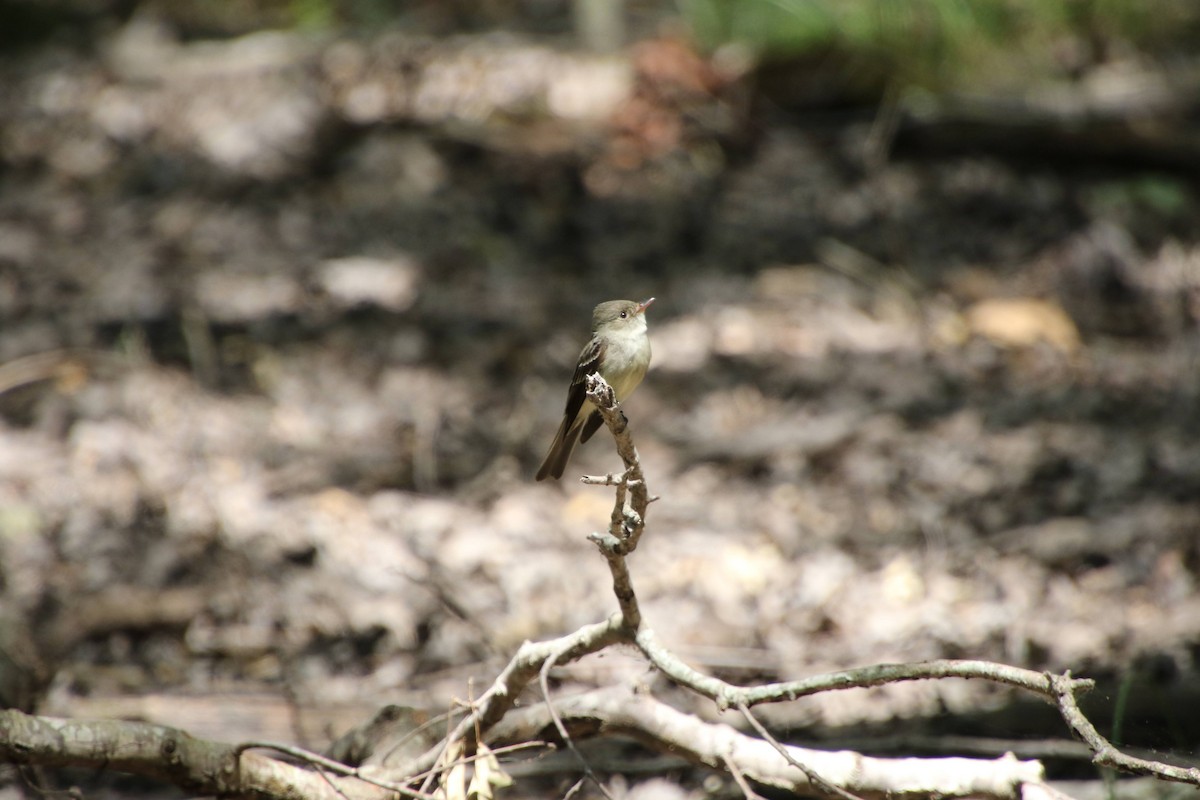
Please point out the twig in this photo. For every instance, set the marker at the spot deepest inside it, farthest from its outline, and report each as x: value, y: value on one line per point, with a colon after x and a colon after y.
x: 544, y: 682
x: 629, y: 510
x: 574, y: 790
x: 323, y: 763
x: 740, y: 779
x: 497, y: 751
x: 1106, y: 755
x: 523, y: 668
x: 415, y: 732
x: 68, y: 366
x: 611, y: 479
x: 442, y: 749
x: 813, y: 776
x: 1059, y: 689
x: 728, y: 695
x: 328, y: 780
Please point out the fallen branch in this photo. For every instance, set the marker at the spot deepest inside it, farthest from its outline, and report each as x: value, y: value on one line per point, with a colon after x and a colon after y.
x: 198, y: 765
x: 622, y: 711
x: 727, y: 695
x: 524, y: 667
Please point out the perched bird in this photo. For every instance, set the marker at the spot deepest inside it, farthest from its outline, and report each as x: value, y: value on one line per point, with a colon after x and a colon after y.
x: 620, y: 351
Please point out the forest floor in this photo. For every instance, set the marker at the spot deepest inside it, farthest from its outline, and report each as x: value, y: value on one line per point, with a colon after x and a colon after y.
x: 279, y: 360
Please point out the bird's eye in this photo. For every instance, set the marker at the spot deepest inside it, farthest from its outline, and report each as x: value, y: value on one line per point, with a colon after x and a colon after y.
x: 624, y: 314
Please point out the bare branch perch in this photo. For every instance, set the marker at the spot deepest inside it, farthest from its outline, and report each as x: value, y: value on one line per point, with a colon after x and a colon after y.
x: 628, y: 518
x: 629, y: 512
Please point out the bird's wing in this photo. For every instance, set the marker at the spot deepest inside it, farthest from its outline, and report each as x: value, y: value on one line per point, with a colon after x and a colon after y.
x: 593, y: 423
x: 589, y: 362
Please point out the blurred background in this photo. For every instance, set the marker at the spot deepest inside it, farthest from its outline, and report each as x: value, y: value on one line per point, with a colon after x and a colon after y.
x: 291, y: 291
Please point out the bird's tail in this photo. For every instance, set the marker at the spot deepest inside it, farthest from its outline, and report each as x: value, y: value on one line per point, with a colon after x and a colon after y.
x: 560, y: 450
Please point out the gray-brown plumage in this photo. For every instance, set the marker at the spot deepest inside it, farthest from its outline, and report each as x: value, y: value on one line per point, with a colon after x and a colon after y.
x: 620, y: 351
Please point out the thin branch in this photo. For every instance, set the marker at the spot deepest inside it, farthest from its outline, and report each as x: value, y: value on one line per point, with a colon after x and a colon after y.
x: 728, y: 695
x: 611, y: 479
x: 809, y: 772
x: 740, y: 779
x: 610, y: 548
x: 523, y: 668
x: 1059, y: 689
x: 628, y: 518
x: 322, y: 763
x: 629, y: 513
x: 544, y: 682
x: 496, y: 751
x: 1106, y: 755
x: 574, y: 790
x: 440, y: 753
x: 329, y: 781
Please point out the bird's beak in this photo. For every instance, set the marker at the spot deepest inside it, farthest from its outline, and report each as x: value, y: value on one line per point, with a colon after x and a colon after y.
x: 642, y: 306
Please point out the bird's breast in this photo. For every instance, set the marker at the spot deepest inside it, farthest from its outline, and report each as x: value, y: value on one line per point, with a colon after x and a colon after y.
x: 636, y: 354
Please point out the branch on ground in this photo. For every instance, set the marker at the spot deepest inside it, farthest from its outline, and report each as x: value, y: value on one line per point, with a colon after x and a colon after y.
x: 622, y: 711
x: 197, y: 765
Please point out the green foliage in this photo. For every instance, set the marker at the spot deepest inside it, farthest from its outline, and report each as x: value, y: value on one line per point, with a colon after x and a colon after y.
x: 947, y: 43
x: 1135, y: 200
x: 326, y: 14
x: 315, y: 15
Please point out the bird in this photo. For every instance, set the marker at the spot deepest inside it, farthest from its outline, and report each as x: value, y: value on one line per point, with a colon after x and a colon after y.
x: 619, y: 351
